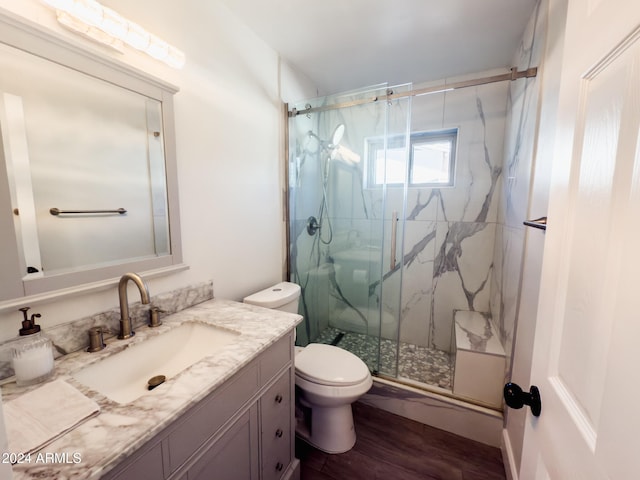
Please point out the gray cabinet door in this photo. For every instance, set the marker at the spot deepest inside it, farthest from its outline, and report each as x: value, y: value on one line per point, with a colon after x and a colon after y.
x: 234, y: 455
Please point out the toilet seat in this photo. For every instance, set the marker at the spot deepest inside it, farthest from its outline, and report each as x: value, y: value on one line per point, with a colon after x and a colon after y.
x: 329, y: 365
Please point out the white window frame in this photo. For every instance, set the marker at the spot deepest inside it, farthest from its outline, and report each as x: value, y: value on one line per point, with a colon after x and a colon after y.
x: 376, y: 144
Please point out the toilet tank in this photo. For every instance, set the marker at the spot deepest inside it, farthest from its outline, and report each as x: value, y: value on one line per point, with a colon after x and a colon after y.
x: 283, y: 296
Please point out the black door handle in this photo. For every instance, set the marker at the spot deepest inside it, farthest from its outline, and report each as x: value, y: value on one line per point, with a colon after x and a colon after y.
x: 516, y: 398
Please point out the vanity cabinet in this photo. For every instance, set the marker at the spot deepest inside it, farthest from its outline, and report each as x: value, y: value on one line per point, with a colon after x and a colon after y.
x: 243, y: 430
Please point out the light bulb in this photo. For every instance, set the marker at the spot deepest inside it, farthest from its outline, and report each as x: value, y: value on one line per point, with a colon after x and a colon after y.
x: 158, y: 49
x: 113, y: 24
x: 137, y: 36
x: 175, y: 58
x: 87, y: 11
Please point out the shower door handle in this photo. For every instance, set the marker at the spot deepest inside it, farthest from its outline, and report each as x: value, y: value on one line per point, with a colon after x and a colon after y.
x: 394, y: 231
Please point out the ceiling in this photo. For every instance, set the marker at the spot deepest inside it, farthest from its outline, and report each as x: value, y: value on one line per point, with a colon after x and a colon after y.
x: 347, y: 44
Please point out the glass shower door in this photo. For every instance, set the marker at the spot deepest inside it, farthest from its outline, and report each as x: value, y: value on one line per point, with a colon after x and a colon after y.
x: 393, y: 171
x: 341, y: 223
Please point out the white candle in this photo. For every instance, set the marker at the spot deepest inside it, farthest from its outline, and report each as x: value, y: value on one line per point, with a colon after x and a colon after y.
x: 32, y: 360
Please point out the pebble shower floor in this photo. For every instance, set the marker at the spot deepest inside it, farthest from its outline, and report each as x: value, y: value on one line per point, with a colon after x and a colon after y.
x: 417, y: 363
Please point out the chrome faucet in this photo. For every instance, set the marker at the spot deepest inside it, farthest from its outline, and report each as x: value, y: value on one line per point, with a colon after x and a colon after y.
x: 126, y: 330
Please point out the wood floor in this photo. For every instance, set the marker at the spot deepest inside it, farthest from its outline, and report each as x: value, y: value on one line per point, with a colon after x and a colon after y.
x: 391, y: 447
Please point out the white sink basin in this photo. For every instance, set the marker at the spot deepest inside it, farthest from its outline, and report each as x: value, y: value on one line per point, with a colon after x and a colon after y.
x: 123, y: 376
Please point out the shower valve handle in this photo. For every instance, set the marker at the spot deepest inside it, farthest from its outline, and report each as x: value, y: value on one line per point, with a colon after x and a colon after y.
x: 312, y: 226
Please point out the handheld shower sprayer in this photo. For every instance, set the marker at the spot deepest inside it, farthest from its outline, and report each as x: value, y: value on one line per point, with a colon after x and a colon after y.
x: 330, y: 147
x: 336, y: 137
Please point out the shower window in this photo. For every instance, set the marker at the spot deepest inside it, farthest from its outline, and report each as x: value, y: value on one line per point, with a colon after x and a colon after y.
x: 431, y: 159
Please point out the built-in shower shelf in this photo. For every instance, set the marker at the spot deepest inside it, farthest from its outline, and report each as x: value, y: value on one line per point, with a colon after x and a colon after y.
x: 479, y: 365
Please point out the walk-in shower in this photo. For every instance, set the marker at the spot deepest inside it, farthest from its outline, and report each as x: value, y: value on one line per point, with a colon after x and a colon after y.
x: 393, y: 213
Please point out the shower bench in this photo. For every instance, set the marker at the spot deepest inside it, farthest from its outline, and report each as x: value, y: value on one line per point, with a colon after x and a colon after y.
x: 479, y: 359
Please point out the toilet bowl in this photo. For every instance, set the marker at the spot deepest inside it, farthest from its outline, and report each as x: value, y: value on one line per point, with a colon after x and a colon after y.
x: 328, y: 380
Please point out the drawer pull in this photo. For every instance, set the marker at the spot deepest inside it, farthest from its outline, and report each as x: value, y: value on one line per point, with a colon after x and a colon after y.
x: 279, y: 467
x: 278, y: 398
x: 279, y: 433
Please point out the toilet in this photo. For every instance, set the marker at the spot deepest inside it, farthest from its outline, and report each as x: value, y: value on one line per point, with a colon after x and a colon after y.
x: 328, y: 380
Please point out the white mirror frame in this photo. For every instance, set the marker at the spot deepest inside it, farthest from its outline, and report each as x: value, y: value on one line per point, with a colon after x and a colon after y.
x: 30, y: 37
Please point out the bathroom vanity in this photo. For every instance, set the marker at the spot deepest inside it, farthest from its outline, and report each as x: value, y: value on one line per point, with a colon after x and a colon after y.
x: 227, y: 416
x: 238, y: 430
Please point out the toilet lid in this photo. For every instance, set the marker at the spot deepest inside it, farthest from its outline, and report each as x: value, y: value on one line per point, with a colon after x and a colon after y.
x: 329, y: 365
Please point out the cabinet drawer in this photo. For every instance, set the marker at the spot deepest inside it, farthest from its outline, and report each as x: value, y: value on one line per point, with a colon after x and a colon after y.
x: 275, y: 358
x: 276, y: 432
x: 276, y: 457
x: 213, y: 413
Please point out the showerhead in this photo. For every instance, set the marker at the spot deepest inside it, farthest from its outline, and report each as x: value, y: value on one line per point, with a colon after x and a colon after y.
x: 340, y: 152
x: 338, y: 133
x: 336, y: 137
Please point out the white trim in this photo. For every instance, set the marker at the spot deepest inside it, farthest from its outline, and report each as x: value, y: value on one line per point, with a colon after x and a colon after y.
x: 620, y: 49
x: 85, y: 288
x: 25, y: 35
x: 508, y: 459
x: 581, y: 421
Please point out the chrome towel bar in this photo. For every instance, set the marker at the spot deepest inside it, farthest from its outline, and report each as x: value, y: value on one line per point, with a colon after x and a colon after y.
x: 57, y: 211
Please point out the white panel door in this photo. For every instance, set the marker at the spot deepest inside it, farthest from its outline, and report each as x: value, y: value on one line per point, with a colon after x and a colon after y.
x: 586, y: 346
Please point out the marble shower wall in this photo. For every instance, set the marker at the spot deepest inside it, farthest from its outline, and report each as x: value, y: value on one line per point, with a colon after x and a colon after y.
x: 449, y: 233
x: 462, y: 245
x: 520, y: 134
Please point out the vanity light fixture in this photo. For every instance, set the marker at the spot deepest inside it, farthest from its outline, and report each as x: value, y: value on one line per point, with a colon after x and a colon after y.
x: 89, y: 18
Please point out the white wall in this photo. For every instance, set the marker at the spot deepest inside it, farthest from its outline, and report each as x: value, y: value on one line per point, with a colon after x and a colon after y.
x: 294, y: 85
x: 229, y: 128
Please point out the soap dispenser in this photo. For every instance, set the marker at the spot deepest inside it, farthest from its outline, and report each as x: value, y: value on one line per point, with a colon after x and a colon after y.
x: 32, y: 355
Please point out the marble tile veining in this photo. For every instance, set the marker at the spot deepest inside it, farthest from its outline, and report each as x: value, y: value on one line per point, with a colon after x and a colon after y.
x: 475, y: 333
x: 120, y: 429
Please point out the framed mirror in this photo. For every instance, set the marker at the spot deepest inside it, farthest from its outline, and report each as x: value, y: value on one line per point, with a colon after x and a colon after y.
x: 88, y: 185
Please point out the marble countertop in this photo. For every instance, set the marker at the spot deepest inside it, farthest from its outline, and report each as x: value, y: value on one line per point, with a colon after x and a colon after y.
x: 104, y: 441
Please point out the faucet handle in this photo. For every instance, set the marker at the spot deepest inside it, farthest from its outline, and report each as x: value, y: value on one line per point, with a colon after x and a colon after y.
x: 154, y: 317
x: 96, y: 340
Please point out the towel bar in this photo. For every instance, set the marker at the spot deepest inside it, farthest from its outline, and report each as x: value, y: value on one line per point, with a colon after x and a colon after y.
x: 57, y: 211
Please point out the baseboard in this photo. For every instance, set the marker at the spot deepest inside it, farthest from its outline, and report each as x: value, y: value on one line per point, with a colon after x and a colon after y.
x: 507, y: 456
